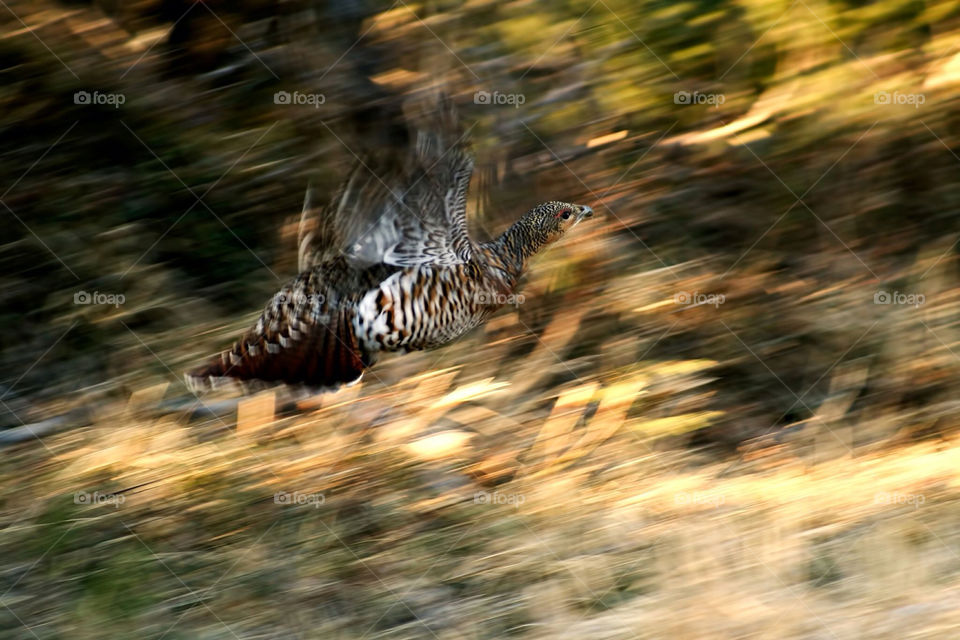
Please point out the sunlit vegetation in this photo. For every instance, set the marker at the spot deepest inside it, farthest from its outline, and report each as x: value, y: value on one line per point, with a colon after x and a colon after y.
x: 726, y: 408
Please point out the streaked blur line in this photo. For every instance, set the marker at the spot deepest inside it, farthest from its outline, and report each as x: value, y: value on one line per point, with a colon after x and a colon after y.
x: 31, y: 31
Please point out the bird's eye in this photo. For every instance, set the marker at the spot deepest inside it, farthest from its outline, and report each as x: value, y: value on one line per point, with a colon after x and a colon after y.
x: 566, y: 214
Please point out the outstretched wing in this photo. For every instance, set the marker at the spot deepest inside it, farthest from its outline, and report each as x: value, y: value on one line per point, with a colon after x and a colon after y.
x: 403, y: 208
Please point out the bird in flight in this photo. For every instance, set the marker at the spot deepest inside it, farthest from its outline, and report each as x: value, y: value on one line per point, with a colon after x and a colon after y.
x: 388, y: 265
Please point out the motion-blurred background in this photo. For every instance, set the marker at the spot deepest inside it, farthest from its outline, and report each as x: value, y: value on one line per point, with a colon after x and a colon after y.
x: 726, y: 408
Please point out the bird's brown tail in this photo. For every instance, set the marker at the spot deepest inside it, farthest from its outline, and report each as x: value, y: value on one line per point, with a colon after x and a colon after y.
x: 324, y: 354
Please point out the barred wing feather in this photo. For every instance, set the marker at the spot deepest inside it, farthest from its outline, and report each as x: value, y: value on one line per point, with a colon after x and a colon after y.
x: 408, y: 211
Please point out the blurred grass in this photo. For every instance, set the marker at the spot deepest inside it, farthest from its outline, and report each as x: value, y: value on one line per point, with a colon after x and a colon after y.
x: 600, y: 462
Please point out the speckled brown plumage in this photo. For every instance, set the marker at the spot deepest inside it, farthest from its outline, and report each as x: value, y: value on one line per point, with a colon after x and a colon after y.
x: 388, y: 265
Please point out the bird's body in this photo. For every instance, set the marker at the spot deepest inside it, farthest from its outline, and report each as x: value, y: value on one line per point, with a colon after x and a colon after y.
x: 424, y: 307
x: 389, y: 266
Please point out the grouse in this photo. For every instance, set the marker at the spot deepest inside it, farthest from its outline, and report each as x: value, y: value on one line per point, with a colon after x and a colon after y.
x: 388, y: 265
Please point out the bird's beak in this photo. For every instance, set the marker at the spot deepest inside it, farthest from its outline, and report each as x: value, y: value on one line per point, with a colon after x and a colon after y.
x: 585, y: 212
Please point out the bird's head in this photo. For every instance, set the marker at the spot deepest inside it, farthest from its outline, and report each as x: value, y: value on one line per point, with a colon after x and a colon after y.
x: 552, y: 219
x: 539, y: 227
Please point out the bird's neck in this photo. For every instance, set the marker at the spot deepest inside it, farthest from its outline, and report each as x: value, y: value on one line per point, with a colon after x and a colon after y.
x: 513, y: 249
